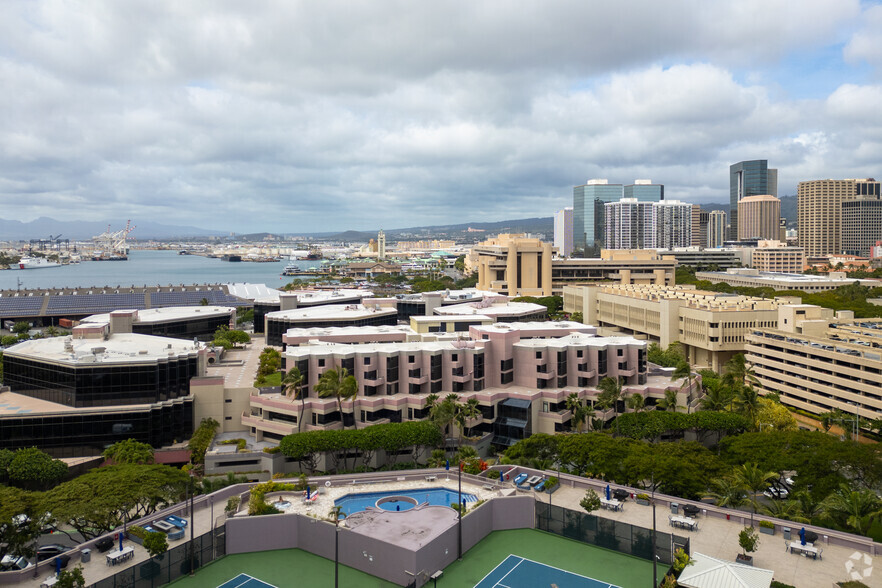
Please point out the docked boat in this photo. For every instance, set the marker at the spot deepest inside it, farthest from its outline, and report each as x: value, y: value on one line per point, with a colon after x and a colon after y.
x: 34, y: 263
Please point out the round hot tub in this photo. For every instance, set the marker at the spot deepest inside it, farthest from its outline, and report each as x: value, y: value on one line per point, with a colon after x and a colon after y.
x: 396, y: 503
x: 281, y: 504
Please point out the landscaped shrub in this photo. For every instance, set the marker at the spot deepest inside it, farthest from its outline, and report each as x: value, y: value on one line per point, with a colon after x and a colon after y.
x: 494, y: 474
x: 767, y: 524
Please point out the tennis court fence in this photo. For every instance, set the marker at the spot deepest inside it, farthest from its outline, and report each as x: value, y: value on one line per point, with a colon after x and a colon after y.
x: 617, y: 536
x: 174, y: 563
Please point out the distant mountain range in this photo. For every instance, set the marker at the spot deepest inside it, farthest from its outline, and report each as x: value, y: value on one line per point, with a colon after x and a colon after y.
x: 13, y: 230
x: 43, y: 227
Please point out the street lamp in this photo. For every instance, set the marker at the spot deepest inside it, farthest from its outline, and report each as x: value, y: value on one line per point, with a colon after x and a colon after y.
x: 459, y: 510
x: 192, y: 529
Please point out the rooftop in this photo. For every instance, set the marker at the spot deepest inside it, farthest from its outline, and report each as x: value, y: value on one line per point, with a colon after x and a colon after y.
x: 699, y: 299
x: 166, y: 314
x: 330, y: 312
x: 492, y: 309
x: 122, y: 348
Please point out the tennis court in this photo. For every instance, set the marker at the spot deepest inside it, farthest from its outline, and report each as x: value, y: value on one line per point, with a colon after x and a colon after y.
x: 520, y: 572
x: 245, y: 581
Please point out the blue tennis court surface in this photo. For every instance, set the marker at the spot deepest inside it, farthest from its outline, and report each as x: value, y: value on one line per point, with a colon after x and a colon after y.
x: 245, y: 581
x: 518, y: 572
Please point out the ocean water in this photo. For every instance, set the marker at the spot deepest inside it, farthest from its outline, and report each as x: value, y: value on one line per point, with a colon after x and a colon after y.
x: 151, y: 268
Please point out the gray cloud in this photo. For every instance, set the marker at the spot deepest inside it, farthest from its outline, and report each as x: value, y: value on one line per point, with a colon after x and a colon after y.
x: 333, y: 115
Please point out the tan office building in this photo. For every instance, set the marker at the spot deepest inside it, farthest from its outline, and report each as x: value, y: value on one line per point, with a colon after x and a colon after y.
x: 710, y: 326
x: 519, y: 266
x: 514, y: 265
x: 758, y: 217
x: 820, y: 212
x: 774, y: 256
x: 819, y: 363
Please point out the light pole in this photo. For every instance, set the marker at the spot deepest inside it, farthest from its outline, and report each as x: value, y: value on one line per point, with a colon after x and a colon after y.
x: 192, y: 530
x: 459, y: 510
x: 336, y: 554
x: 652, y: 500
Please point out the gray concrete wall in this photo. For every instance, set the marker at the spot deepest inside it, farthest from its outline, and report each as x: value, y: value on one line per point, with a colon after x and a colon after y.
x: 264, y: 533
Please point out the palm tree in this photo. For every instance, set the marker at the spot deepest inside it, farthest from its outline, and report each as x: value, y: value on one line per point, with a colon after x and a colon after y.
x: 339, y: 384
x: 581, y: 413
x: 683, y: 371
x: 470, y: 410
x: 292, y: 384
x: 754, y: 480
x: 670, y: 401
x: 716, y: 396
x: 739, y: 373
x: 636, y: 402
x: 858, y: 509
x: 610, y: 394
x: 784, y: 509
x: 431, y: 401
x: 747, y: 402
x: 444, y: 413
x: 728, y: 492
x: 809, y: 506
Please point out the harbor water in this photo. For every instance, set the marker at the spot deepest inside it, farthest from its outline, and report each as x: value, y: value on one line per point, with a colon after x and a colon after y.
x: 151, y: 268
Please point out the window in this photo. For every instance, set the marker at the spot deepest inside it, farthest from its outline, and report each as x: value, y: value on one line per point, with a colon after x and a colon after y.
x: 506, y: 364
x: 507, y: 377
x: 454, y: 357
x: 367, y: 361
x: 321, y: 363
x: 411, y: 358
x: 228, y: 400
x: 544, y: 406
x: 538, y: 355
x: 579, y: 353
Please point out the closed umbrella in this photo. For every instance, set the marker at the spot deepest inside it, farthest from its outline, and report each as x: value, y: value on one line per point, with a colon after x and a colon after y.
x: 57, y: 566
x: 802, y: 536
x: 308, y: 492
x: 120, y: 541
x: 607, y: 492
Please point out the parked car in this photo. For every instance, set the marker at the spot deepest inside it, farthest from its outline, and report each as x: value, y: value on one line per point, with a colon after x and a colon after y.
x: 779, y: 493
x: 11, y: 563
x: 50, y: 550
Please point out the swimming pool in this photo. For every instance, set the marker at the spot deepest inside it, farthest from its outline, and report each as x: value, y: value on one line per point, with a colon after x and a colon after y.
x: 399, y: 500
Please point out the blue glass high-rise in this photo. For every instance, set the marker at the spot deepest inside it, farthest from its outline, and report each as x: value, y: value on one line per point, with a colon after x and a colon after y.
x: 589, y: 224
x: 748, y: 178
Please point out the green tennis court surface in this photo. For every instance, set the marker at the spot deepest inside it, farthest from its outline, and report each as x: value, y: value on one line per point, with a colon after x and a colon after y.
x: 245, y: 581
x: 519, y: 572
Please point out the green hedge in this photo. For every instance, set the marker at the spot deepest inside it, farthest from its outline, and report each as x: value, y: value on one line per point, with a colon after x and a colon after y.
x: 652, y: 424
x: 390, y: 437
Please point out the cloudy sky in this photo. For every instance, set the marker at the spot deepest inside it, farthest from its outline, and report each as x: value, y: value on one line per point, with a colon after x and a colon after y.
x: 301, y: 116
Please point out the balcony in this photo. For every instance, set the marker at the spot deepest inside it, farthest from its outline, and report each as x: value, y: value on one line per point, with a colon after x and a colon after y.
x: 627, y: 372
x: 261, y: 424
x: 417, y: 377
x: 372, y: 378
x: 547, y: 375
x: 584, y: 371
x: 462, y: 377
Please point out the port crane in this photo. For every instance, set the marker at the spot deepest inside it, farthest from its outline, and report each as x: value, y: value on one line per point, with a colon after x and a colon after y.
x: 114, y: 242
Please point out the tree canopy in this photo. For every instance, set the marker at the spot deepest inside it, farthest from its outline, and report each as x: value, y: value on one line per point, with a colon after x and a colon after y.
x: 129, y: 451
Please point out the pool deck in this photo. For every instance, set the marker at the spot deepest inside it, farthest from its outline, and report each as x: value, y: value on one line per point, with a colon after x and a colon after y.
x: 327, y: 496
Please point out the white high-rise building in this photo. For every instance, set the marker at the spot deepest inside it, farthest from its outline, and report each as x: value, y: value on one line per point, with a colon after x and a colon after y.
x: 563, y: 231
x: 629, y: 223
x: 716, y: 228
x: 673, y: 224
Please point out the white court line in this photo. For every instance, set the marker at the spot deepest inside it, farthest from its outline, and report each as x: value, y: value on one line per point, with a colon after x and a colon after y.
x: 488, y: 574
x: 499, y: 583
x: 564, y: 571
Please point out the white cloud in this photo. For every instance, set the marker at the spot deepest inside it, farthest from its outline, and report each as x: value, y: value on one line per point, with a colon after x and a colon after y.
x: 334, y: 115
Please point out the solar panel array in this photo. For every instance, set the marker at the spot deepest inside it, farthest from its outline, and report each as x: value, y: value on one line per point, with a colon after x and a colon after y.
x: 94, y: 303
x: 19, y: 306
x: 214, y: 297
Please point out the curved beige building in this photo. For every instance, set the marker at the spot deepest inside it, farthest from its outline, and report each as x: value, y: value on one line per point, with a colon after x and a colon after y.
x: 758, y: 217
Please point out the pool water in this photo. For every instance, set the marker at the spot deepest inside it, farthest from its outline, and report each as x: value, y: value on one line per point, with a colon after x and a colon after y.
x: 352, y: 503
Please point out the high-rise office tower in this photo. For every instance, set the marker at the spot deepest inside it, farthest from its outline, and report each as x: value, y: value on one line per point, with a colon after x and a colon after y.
x: 716, y: 228
x: 861, y: 225
x: 673, y: 224
x: 700, y: 219
x: 588, y: 210
x: 563, y: 231
x: 819, y: 217
x: 759, y: 217
x: 629, y: 224
x: 748, y: 178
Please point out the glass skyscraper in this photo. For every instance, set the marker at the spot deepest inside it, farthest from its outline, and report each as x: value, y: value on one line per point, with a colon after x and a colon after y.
x: 748, y: 178
x: 589, y: 225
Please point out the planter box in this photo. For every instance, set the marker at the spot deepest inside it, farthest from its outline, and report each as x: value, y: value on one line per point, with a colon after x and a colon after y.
x: 137, y: 540
x: 553, y: 489
x: 642, y: 501
x: 767, y: 530
x: 744, y: 559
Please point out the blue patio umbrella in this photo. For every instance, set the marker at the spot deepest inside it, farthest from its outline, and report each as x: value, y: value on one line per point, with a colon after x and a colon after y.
x: 308, y: 491
x: 447, y: 465
x: 802, y: 536
x: 607, y: 492
x: 120, y: 541
x: 57, y: 566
